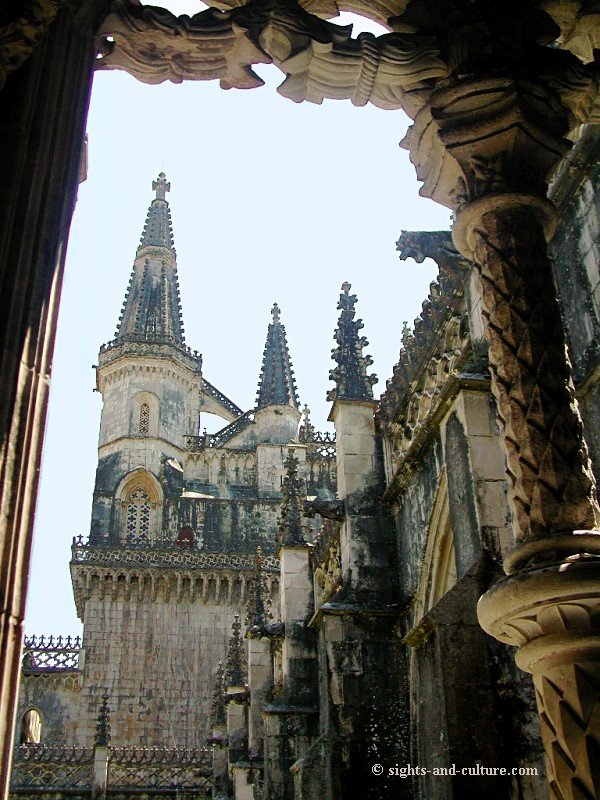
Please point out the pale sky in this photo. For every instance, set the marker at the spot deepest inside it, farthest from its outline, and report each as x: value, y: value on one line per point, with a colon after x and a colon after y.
x: 270, y: 201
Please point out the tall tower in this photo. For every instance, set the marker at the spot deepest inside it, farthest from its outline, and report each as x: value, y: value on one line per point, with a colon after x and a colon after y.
x: 150, y: 384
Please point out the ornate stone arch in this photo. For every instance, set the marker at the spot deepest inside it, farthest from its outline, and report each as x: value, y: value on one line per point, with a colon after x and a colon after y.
x: 144, y: 414
x: 438, y: 566
x: 139, y: 499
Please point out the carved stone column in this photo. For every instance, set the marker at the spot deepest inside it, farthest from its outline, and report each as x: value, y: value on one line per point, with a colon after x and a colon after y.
x: 497, y: 139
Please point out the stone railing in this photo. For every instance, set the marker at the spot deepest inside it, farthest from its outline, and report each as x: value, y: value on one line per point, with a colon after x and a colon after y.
x: 195, y: 444
x: 109, y: 555
x: 51, y: 654
x: 41, y: 766
x: 213, y: 392
x: 165, y: 768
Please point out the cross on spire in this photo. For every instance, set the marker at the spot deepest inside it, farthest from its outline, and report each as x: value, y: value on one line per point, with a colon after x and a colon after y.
x: 161, y: 186
x: 275, y: 311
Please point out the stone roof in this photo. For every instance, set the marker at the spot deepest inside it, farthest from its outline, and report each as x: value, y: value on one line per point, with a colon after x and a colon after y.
x: 276, y: 385
x: 152, y: 307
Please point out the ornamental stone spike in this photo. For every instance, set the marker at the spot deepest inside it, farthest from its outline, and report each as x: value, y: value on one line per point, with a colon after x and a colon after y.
x: 236, y: 664
x: 217, y: 706
x: 257, y: 615
x: 350, y: 373
x: 277, y: 385
x: 102, y: 735
x: 292, y: 504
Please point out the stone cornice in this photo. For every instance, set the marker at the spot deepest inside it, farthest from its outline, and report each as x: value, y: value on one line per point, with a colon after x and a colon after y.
x: 119, y: 353
x: 226, y: 582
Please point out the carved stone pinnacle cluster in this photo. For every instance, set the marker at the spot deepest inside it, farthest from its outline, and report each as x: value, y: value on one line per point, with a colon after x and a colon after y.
x: 257, y: 614
x: 350, y: 373
x: 217, y: 706
x: 102, y: 736
x: 236, y: 664
x: 292, y: 504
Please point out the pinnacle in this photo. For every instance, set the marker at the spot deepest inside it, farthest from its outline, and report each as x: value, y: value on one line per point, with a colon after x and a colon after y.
x: 350, y: 373
x: 292, y: 504
x: 236, y: 664
x: 277, y: 385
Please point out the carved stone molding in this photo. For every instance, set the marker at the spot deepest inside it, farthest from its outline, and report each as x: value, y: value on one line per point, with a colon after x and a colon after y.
x: 320, y: 59
x: 154, y: 46
x: 553, y: 616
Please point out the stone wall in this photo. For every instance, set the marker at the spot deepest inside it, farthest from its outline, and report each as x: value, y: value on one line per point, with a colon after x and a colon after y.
x: 156, y: 657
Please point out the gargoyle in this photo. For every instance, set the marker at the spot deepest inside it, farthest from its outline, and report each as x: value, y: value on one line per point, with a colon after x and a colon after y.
x: 437, y: 245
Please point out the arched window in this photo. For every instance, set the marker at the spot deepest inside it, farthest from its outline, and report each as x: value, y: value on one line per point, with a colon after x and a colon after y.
x: 144, y: 422
x: 137, y: 516
x: 140, y: 498
x: 31, y: 727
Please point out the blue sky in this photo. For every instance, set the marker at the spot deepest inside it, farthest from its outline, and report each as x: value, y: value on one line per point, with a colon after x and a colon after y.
x: 271, y: 201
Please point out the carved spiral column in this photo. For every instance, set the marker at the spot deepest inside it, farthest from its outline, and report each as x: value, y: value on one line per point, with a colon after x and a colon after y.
x: 499, y: 140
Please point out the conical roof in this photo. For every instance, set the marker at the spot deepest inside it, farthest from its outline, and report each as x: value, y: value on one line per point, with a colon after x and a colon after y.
x: 276, y: 385
x: 152, y: 307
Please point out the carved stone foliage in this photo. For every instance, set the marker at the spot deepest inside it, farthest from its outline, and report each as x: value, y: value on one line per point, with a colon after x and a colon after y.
x: 320, y: 59
x: 154, y: 46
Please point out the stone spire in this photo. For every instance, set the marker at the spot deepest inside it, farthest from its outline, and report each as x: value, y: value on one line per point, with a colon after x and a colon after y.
x: 217, y: 706
x: 152, y: 307
x: 102, y: 735
x: 236, y: 665
x: 350, y: 374
x: 292, y: 504
x: 276, y: 385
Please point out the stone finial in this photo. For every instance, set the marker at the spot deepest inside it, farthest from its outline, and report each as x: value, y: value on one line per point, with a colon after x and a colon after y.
x: 217, y: 705
x: 307, y: 429
x: 277, y: 385
x: 161, y: 187
x: 350, y: 374
x: 102, y: 735
x: 292, y: 504
x: 236, y: 664
x: 257, y: 615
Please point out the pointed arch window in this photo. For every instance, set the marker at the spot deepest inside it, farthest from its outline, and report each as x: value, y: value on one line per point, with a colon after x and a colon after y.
x: 144, y: 420
x: 140, y: 500
x: 137, y: 516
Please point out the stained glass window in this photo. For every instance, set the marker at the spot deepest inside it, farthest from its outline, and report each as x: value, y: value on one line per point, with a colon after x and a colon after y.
x: 137, y: 522
x: 144, y: 426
